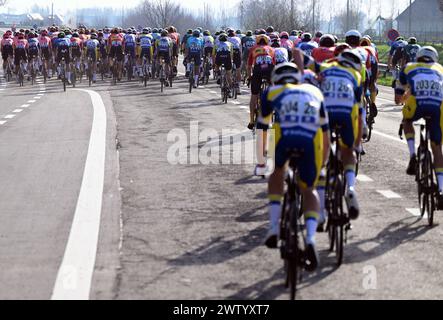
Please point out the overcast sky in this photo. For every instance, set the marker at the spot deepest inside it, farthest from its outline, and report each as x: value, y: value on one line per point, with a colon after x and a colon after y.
x: 20, y: 6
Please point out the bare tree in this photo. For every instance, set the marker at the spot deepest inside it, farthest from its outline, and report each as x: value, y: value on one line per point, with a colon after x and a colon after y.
x: 3, y: 2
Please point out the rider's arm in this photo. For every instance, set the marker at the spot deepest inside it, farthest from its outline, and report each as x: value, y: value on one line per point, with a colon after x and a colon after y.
x: 265, y: 112
x: 324, y: 122
x: 401, y: 90
x: 297, y: 56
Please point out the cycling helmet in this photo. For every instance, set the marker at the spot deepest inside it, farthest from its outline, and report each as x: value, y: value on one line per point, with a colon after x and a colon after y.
x: 335, y: 39
x: 231, y: 33
x: 284, y: 35
x: 261, y: 31
x: 206, y: 33
x: 238, y: 31
x: 319, y: 34
x: 145, y: 31
x: 164, y: 33
x: 223, y: 37
x: 353, y: 33
x: 75, y: 35
x: 427, y: 54
x: 365, y: 42
x: 196, y: 33
x: 353, y: 38
x: 327, y: 41
x: 286, y: 73
x: 306, y: 36
x: 44, y: 33
x: 93, y: 35
x: 61, y: 35
x: 294, y: 33
x: 400, y: 39
x: 249, y: 33
x: 275, y: 42
x: 412, y: 40
x: 270, y: 29
x: 100, y: 34
x: 262, y: 39
x: 350, y: 58
x: 155, y: 30
x: 217, y: 33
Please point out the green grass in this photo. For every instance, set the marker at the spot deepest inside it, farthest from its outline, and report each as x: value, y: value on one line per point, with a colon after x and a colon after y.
x: 383, y: 50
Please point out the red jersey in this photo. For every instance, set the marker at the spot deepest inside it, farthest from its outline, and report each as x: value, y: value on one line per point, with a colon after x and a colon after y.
x: 115, y: 40
x: 321, y: 54
x: 44, y: 41
x: 76, y: 43
x: 260, y: 55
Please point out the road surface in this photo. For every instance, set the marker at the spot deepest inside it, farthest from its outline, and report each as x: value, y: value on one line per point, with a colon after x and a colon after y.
x: 162, y: 230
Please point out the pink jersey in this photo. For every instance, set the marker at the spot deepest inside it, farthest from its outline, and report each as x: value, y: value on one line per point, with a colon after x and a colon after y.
x: 7, y: 42
x: 286, y: 43
x: 21, y: 44
x: 44, y: 41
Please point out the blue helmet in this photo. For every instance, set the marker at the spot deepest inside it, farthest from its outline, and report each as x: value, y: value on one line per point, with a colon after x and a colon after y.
x: 196, y: 33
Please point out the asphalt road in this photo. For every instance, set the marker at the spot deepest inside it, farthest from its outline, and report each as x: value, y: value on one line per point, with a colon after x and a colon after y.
x: 189, y: 230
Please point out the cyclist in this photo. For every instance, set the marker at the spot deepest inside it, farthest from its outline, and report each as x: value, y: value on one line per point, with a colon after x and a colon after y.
x: 395, y: 58
x: 163, y: 47
x: 307, y: 45
x: 341, y: 83
x: 62, y: 45
x: 326, y: 49
x: 20, y: 52
x: 193, y: 52
x: 410, y: 51
x: 146, y: 48
x: 420, y: 86
x: 129, y: 44
x: 292, y: 101
x: 286, y: 43
x: 295, y: 38
x: 33, y: 52
x: 185, y: 40
x: 6, y: 48
x: 237, y: 58
x: 372, y: 74
x: 318, y: 36
x: 175, y: 37
x: 248, y: 41
x: 281, y: 54
x: 222, y: 55
x: 45, y: 50
x: 92, y: 52
x: 77, y: 49
x: 115, y: 49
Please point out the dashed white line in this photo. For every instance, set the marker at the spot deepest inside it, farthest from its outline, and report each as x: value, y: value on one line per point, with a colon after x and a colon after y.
x: 415, y: 212
x: 364, y: 178
x: 213, y: 92
x: 31, y: 101
x: 37, y: 97
x: 389, y: 194
x: 17, y: 110
x: 235, y: 102
x: 9, y: 116
x: 41, y: 94
x: 2, y: 122
x: 25, y: 106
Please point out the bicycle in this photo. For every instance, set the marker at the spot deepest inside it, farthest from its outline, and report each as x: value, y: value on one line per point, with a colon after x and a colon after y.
x: 21, y: 74
x: 44, y: 70
x: 162, y: 75
x: 33, y: 70
x: 426, y: 181
x: 264, y: 86
x: 9, y: 69
x: 114, y: 71
x: 191, y: 76
x: 234, y: 81
x: 130, y: 68
x: 206, y: 70
x: 224, y: 84
x: 338, y: 223
x: 292, y: 230
x: 146, y: 71
x: 90, y: 72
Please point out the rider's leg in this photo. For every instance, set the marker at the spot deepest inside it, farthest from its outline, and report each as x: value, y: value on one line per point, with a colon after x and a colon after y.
x: 275, y: 194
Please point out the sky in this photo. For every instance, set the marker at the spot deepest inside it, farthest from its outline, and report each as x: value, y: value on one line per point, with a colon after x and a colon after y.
x: 20, y: 6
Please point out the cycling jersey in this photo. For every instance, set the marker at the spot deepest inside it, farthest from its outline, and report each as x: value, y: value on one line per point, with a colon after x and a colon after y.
x: 92, y: 48
x: 288, y: 44
x: 410, y: 52
x: 209, y: 41
x: 236, y: 42
x: 342, y: 88
x: 307, y: 47
x: 164, y: 44
x: 261, y: 55
x: 44, y: 42
x: 281, y: 55
x: 194, y: 45
x: 115, y: 40
x: 425, y: 81
x: 146, y: 41
x: 300, y: 122
x: 129, y: 40
x: 7, y: 48
x: 323, y: 53
x: 223, y: 54
x: 247, y: 44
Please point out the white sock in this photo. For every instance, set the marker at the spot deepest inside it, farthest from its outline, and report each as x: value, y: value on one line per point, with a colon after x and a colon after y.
x: 68, y: 75
x: 274, y: 214
x: 364, y: 118
x: 440, y: 181
x: 321, y: 195
x: 311, y: 230
x: 196, y: 79
x: 411, y: 146
x: 350, y: 178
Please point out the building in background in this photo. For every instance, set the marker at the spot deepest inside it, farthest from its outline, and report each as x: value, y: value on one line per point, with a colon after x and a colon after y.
x: 423, y: 19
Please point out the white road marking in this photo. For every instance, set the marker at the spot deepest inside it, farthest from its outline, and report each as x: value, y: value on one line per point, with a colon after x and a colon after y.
x: 387, y: 136
x: 213, y: 92
x: 244, y: 107
x: 416, y: 212
x: 9, y: 116
x: 41, y: 94
x: 386, y: 100
x: 17, y: 110
x: 2, y: 122
x: 37, y: 97
x: 75, y: 274
x: 364, y: 178
x: 235, y: 102
x: 25, y: 106
x: 389, y: 194
x: 31, y: 101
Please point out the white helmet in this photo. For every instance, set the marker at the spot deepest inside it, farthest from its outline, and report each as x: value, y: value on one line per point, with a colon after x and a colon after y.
x: 353, y: 33
x: 286, y: 73
x: 428, y: 53
x: 350, y: 58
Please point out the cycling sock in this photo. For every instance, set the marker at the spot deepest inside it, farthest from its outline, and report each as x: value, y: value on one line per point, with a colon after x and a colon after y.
x: 365, y: 124
x: 321, y: 195
x: 411, y: 144
x: 196, y: 79
x: 275, y: 209
x: 350, y: 175
x: 259, y: 147
x: 311, y: 219
x: 439, y: 174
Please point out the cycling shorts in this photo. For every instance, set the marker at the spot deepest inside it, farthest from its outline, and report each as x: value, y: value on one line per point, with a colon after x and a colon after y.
x: 20, y: 54
x: 224, y: 58
x: 116, y: 52
x: 165, y: 55
x: 347, y: 123
x: 196, y: 57
x: 7, y: 51
x: 259, y: 73
x: 208, y: 51
x: 311, y: 154
x: 46, y: 54
x: 63, y: 52
x: 237, y: 59
x: 146, y: 52
x: 130, y: 51
x: 412, y: 111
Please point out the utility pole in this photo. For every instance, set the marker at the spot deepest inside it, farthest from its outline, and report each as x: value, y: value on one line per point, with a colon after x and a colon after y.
x: 410, y: 18
x: 348, y: 15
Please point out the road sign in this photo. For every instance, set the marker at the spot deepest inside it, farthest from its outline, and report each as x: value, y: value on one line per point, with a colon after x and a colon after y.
x: 393, y: 34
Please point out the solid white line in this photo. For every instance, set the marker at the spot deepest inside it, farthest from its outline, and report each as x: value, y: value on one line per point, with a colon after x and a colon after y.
x: 387, y: 136
x: 389, y: 194
x: 25, y: 106
x: 31, y: 101
x: 17, y: 110
x: 244, y: 107
x: 9, y: 116
x: 2, y: 122
x: 75, y: 274
x: 364, y: 178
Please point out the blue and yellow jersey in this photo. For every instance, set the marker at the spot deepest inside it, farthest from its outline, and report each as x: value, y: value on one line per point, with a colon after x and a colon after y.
x: 194, y: 44
x: 425, y: 81
x: 164, y: 44
x: 223, y: 47
x: 342, y: 87
x: 299, y: 109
